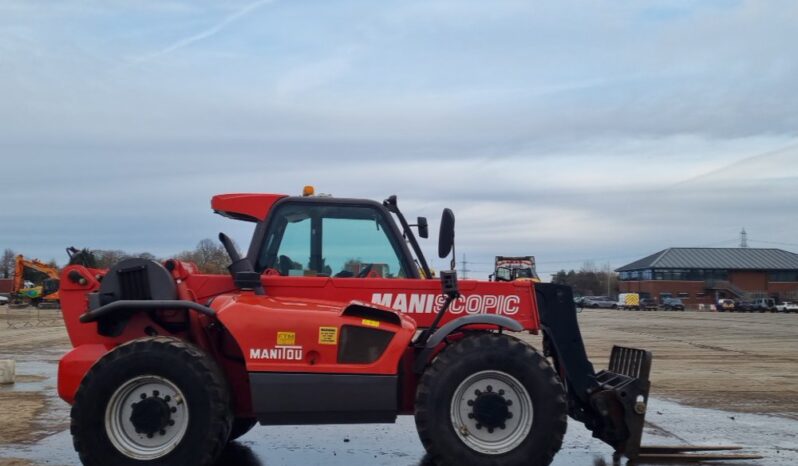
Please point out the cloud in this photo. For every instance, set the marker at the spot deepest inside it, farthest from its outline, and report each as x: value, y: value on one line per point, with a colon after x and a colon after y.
x: 202, y: 35
x: 603, y: 130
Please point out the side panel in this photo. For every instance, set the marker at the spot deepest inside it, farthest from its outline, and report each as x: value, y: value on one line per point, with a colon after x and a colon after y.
x: 280, y: 398
x: 416, y: 298
x: 284, y: 335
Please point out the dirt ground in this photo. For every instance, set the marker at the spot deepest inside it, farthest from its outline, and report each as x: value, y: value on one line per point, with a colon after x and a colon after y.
x: 28, y: 335
x: 736, y: 362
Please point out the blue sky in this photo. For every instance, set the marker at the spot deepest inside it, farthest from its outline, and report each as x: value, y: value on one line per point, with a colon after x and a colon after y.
x: 591, y: 130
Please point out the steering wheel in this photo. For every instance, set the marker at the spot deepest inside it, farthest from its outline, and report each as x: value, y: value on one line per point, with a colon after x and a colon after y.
x: 364, y: 272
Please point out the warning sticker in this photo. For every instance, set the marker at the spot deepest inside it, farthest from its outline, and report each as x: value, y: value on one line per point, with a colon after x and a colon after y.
x: 371, y: 323
x: 328, y: 335
x: 286, y: 338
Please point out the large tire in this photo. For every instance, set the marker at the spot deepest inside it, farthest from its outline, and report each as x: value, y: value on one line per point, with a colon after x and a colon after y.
x: 492, y: 400
x: 241, y: 425
x: 153, y: 401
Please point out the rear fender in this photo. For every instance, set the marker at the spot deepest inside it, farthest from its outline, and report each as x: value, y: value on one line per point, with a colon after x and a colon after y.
x: 74, y: 366
x: 483, y: 320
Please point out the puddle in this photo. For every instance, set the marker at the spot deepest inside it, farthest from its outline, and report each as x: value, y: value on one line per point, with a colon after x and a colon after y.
x: 398, y: 445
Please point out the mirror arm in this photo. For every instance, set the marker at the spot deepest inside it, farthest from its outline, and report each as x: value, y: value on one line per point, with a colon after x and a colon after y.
x: 244, y: 275
x: 390, y: 204
x: 450, y: 288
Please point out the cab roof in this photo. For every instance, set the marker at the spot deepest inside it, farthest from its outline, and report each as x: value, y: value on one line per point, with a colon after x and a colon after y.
x: 249, y: 207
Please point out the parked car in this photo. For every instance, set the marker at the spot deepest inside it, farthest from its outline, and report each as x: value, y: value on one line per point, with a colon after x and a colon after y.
x: 648, y: 304
x: 744, y: 306
x: 599, y: 302
x: 3, y: 300
x: 725, y: 305
x: 672, y: 304
x: 787, y: 307
x: 764, y: 304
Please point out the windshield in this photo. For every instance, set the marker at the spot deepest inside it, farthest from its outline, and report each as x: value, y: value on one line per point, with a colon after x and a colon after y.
x: 331, y: 240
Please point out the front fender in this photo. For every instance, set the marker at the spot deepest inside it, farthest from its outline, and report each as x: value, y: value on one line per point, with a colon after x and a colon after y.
x: 437, y: 338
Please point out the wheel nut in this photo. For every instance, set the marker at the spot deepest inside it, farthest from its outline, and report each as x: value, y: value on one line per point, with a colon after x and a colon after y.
x: 471, y: 415
x: 509, y: 402
x: 167, y: 398
x: 155, y: 393
x: 490, y: 389
x: 509, y: 415
x: 501, y: 392
x: 470, y: 402
x: 477, y: 392
x: 143, y: 396
x: 149, y: 435
x: 171, y: 422
x: 502, y: 426
x: 174, y: 410
x: 490, y: 430
x: 162, y: 432
x: 479, y: 426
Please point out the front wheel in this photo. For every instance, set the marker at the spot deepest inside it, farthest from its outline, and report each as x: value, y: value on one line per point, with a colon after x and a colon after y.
x: 153, y: 401
x: 491, y: 399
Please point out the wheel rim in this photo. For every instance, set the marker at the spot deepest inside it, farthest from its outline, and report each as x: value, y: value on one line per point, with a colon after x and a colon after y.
x: 146, y: 418
x: 491, y: 412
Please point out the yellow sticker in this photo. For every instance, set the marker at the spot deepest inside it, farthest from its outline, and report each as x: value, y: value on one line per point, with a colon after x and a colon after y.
x: 328, y: 335
x: 286, y: 338
x: 371, y: 323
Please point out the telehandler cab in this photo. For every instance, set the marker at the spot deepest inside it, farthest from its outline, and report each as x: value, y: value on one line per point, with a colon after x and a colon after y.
x: 331, y: 317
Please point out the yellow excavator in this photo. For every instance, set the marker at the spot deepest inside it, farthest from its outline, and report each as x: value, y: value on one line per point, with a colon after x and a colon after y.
x: 35, y: 284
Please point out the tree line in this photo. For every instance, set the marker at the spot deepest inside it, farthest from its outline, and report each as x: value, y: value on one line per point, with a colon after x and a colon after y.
x: 588, y: 280
x: 208, y: 255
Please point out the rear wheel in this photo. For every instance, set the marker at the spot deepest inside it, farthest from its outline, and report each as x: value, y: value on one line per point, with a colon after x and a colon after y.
x: 241, y: 425
x: 491, y: 399
x: 155, y: 401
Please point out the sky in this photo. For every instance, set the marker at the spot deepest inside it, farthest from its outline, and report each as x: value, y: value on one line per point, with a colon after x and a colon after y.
x: 573, y: 131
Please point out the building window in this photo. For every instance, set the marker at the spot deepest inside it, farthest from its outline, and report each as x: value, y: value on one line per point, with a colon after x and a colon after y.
x: 783, y: 276
x: 682, y: 294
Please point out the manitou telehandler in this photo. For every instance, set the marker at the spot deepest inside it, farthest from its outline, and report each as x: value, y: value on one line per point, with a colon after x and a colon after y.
x: 328, y: 319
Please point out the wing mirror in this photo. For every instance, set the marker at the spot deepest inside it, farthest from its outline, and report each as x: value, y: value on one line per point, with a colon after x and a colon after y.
x: 446, y: 234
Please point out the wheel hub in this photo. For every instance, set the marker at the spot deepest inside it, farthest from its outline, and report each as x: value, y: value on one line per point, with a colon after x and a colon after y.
x: 146, y: 417
x: 491, y: 412
x: 152, y: 414
x: 490, y: 409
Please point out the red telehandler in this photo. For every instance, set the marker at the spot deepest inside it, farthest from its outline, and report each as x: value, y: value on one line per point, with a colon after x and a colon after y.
x: 170, y: 364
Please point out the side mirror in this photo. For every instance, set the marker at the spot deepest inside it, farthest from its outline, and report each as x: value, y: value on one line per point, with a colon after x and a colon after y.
x: 423, y: 227
x: 446, y: 234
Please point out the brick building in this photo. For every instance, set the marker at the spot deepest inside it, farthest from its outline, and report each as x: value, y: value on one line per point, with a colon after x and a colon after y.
x: 704, y: 275
x: 6, y: 285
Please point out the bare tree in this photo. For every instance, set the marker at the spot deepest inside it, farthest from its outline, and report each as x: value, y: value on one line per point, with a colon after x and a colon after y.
x: 209, y: 257
x: 107, y: 257
x: 7, y: 263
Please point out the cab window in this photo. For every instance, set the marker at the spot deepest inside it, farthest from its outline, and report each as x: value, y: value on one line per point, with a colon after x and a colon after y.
x: 331, y: 240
